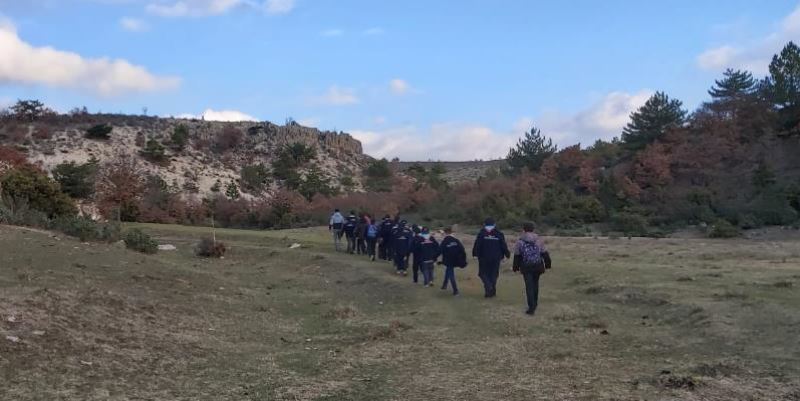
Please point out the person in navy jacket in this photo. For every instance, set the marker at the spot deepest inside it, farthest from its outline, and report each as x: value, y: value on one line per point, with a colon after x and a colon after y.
x: 402, y: 247
x: 453, y: 255
x: 428, y: 250
x: 385, y: 248
x: 490, y: 248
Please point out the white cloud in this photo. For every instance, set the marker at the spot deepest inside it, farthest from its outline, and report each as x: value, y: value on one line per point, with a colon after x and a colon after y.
x: 453, y: 141
x: 374, y: 31
x: 220, y: 115
x: 133, y: 24
x: 754, y: 56
x: 23, y: 63
x: 337, y: 96
x: 399, y: 86
x: 332, y: 32
x: 203, y: 8
x: 309, y: 122
x: 602, y: 120
x: 447, y: 142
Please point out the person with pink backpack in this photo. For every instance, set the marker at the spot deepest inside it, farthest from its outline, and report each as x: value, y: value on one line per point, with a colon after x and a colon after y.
x: 532, y: 259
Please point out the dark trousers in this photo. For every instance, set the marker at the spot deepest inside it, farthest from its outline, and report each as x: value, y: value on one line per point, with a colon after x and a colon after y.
x: 450, y: 277
x: 385, y: 249
x: 351, y: 243
x: 401, y: 261
x: 415, y: 269
x: 371, y: 246
x: 427, y: 272
x: 531, y: 288
x: 489, y: 271
x: 361, y: 246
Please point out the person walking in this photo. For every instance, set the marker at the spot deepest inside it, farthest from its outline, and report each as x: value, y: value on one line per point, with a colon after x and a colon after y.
x: 532, y: 259
x: 350, y: 232
x: 490, y: 248
x: 453, y: 255
x: 385, y: 250
x: 402, y: 247
x: 416, y: 257
x: 361, y: 242
x: 371, y: 234
x: 428, y: 253
x: 335, y: 226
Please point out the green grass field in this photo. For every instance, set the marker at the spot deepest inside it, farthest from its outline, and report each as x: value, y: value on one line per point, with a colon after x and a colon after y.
x: 639, y: 319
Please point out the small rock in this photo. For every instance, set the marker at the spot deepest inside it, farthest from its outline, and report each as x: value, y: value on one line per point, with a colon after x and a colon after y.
x: 605, y: 332
x: 167, y: 247
x: 295, y: 246
x: 87, y: 363
x: 12, y: 319
x: 38, y: 333
x: 13, y: 339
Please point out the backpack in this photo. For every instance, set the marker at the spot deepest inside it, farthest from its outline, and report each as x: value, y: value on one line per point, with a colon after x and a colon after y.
x: 372, y: 231
x: 531, y: 253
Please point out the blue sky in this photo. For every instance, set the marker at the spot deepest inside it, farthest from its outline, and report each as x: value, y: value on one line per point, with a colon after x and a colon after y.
x: 416, y: 79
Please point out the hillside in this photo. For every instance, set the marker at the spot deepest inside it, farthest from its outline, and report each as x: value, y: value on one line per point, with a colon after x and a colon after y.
x: 214, y: 151
x: 457, y: 172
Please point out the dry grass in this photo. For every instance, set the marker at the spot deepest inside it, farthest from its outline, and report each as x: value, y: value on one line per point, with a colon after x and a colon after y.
x: 619, y: 320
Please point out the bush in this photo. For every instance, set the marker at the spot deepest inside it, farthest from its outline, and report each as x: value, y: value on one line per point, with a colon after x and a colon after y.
x: 254, y: 178
x: 723, y: 229
x: 100, y: 131
x: 154, y: 151
x: 139, y: 241
x: 37, y: 191
x: 86, y: 229
x: 379, y: 176
x: 208, y: 248
x: 229, y: 138
x: 629, y: 223
x: 76, y: 180
x: 179, y: 137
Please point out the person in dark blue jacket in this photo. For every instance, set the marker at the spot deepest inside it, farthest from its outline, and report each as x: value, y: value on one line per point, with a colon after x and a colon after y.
x: 402, y: 247
x: 453, y: 255
x: 350, y: 231
x: 490, y: 248
x: 385, y: 248
x: 428, y: 253
x: 415, y: 253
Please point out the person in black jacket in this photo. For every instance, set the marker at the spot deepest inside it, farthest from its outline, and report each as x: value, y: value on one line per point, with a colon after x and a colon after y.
x: 490, y: 248
x: 453, y: 255
x: 428, y: 253
x: 532, y: 259
x: 350, y: 232
x: 385, y: 248
x: 402, y: 247
x: 416, y: 259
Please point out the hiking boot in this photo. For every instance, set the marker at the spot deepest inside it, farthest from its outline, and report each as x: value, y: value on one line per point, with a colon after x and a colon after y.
x: 530, y: 312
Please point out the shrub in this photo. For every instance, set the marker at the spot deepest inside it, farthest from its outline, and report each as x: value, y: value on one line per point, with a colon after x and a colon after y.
x: 154, y: 151
x: 229, y: 138
x: 76, y: 180
x: 290, y: 158
x: 629, y: 223
x: 139, y: 241
x: 100, y: 131
x: 86, y: 229
x: 379, y: 176
x: 254, y: 178
x: 723, y: 229
x: 37, y: 190
x: 179, y: 137
x: 209, y: 248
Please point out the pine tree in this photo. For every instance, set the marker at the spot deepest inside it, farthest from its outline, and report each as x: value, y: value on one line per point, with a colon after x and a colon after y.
x: 652, y: 120
x: 785, y: 76
x: 530, y: 151
x: 734, y: 85
x: 232, y: 191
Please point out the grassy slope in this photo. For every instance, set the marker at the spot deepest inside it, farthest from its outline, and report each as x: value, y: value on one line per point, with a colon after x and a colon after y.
x: 270, y: 323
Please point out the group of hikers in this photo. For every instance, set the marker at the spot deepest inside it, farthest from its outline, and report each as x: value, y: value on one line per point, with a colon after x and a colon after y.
x: 393, y: 239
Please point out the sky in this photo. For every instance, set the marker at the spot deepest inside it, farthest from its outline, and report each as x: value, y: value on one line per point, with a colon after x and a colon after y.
x: 414, y: 79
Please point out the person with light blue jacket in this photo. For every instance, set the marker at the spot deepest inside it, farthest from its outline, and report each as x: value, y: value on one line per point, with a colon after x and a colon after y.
x: 336, y: 226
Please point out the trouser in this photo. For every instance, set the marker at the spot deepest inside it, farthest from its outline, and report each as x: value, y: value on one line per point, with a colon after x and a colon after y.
x: 385, y: 249
x: 531, y: 288
x: 337, y: 240
x: 361, y: 247
x: 415, y: 268
x: 401, y: 261
x: 427, y: 271
x: 450, y: 277
x: 489, y: 271
x: 371, y: 242
x: 351, y: 243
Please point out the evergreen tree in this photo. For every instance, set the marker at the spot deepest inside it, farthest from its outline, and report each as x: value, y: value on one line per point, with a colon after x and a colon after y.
x: 785, y: 76
x: 530, y: 152
x: 232, y: 191
x: 734, y: 85
x: 652, y: 120
x: 179, y: 137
